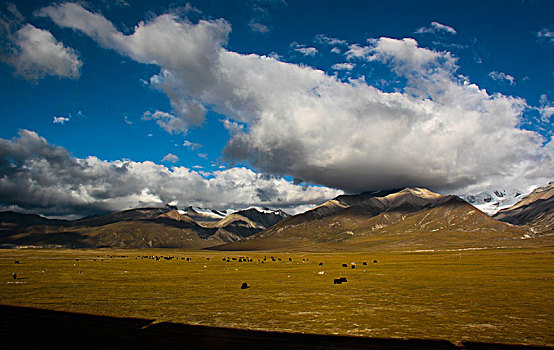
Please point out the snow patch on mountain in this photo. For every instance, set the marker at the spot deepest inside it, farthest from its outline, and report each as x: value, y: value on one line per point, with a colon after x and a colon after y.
x: 220, y: 214
x: 265, y: 210
x: 206, y: 212
x: 491, y: 202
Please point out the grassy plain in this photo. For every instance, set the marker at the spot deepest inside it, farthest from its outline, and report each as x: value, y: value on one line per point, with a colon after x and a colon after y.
x: 493, y: 295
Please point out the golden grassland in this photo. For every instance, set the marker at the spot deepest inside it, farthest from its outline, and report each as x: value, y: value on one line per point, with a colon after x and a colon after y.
x: 492, y: 295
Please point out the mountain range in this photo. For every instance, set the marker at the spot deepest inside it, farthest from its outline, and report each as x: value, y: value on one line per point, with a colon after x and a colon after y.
x: 413, y: 218
x: 167, y: 227
x: 407, y: 219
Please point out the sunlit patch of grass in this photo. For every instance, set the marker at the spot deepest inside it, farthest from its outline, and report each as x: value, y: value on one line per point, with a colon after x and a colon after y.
x: 494, y: 295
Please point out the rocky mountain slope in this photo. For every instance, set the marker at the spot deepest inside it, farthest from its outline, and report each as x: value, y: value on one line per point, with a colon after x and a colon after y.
x: 535, y: 210
x: 388, y: 219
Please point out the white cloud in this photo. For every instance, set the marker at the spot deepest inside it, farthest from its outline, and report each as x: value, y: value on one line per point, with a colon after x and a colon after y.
x: 275, y: 56
x: 37, y: 176
x: 168, y: 121
x: 356, y: 51
x: 441, y: 131
x: 35, y: 53
x: 547, y: 35
x: 436, y: 27
x: 546, y: 109
x: 127, y: 121
x: 336, y: 50
x: 186, y: 51
x: 60, y: 120
x: 306, y: 51
x: 191, y: 145
x: 501, y: 76
x: 324, y: 39
x: 146, y: 196
x: 258, y: 27
x: 170, y: 158
x: 343, y: 66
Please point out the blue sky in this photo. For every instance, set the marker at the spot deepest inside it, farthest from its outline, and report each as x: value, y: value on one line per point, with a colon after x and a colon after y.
x: 305, y: 99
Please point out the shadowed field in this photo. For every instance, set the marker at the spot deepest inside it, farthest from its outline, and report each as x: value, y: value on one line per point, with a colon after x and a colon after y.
x: 496, y: 295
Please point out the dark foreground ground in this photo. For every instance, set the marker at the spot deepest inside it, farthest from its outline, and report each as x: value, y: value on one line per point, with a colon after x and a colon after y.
x: 37, y: 328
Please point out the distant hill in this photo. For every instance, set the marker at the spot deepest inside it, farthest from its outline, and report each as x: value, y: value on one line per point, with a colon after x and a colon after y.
x: 535, y: 210
x: 19, y: 219
x: 125, y: 215
x: 137, y: 228
x: 413, y: 217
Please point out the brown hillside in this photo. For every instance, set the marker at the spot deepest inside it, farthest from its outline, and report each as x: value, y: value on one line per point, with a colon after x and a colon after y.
x: 535, y: 210
x: 411, y: 218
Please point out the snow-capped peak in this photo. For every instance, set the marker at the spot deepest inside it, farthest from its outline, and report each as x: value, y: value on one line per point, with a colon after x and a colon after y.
x: 220, y: 214
x: 205, y: 212
x: 492, y: 201
x: 265, y: 210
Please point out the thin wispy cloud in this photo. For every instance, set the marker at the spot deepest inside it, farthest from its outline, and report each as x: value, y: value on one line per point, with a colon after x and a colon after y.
x: 546, y: 34
x: 434, y: 28
x: 60, y: 120
x: 170, y: 158
x: 546, y: 108
x: 258, y: 27
x: 343, y: 66
x: 501, y: 76
x: 260, y: 12
x: 303, y: 49
x: 324, y: 39
x: 191, y: 145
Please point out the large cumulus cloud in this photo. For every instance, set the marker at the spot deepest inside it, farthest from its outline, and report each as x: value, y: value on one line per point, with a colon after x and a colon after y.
x: 440, y: 131
x: 38, y: 177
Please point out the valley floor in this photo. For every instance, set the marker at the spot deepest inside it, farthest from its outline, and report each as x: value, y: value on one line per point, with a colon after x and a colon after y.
x: 491, y: 295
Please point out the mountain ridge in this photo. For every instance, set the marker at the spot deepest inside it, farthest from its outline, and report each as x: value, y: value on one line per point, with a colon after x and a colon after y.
x: 535, y: 210
x: 370, y: 215
x: 394, y: 219
x: 134, y: 228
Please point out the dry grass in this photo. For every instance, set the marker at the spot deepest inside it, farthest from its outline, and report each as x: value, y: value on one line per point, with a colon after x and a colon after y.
x: 494, y: 295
